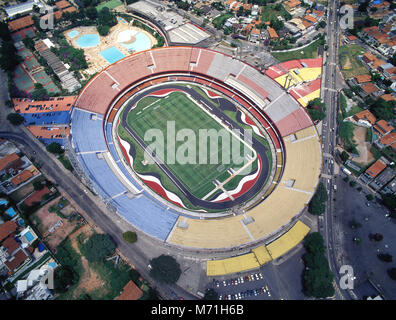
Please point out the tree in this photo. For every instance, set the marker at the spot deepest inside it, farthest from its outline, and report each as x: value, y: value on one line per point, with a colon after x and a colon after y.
x: 369, y: 197
x: 165, y: 269
x: 55, y: 148
x: 97, y: 247
x: 317, y: 204
x: 386, y: 257
x: 9, y: 58
x: 37, y: 185
x: 314, y: 243
x: 134, y: 275
x: 15, y: 118
x: 4, y: 32
x: 130, y: 236
x: 376, y: 237
x: 389, y: 201
x: 392, y: 273
x: 211, y: 294
x: 317, y: 276
x: 63, y: 278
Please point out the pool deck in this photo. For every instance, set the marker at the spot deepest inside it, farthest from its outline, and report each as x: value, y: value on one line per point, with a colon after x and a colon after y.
x: 95, y: 60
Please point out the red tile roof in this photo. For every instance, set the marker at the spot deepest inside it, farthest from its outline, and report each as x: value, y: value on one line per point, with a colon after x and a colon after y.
x: 10, y: 244
x: 21, y: 178
x: 389, y: 139
x: 376, y: 168
x: 388, y: 97
x: 369, y: 88
x: 363, y: 78
x: 9, y: 158
x: 54, y: 104
x: 272, y: 33
x: 130, y: 292
x: 20, y: 23
x: 365, y: 115
x: 62, y: 4
x: 7, y: 228
x: 18, y: 258
x: 36, y: 196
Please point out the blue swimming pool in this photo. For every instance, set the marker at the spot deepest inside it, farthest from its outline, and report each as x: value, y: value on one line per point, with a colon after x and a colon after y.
x: 29, y: 237
x: 11, y: 212
x: 112, y: 54
x: 73, y: 33
x: 142, y: 43
x: 3, y: 202
x: 88, y: 40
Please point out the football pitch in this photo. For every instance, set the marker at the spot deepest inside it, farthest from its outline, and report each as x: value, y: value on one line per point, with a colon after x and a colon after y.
x: 181, y: 122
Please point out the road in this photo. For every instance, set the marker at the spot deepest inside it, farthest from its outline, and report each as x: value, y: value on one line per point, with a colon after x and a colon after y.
x: 329, y: 135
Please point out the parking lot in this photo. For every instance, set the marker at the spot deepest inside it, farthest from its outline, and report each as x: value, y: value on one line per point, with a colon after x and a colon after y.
x: 250, y: 286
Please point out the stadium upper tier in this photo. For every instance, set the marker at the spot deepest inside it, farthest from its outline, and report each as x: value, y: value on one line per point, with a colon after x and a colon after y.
x: 296, y: 142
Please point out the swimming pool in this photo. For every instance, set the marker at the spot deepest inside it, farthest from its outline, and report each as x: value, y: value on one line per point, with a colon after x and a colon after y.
x: 11, y: 212
x: 141, y: 43
x: 88, y: 40
x: 73, y: 33
x: 112, y: 54
x: 3, y: 201
x: 29, y: 237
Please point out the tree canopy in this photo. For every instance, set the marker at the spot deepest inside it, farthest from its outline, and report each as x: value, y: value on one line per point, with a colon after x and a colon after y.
x: 97, y: 247
x: 130, y: 236
x: 15, y: 119
x: 55, y: 148
x: 317, y: 205
x: 165, y: 269
x: 317, y: 276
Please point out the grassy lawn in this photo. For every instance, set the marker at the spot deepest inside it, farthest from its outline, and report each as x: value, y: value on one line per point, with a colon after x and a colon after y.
x: 310, y: 51
x: 346, y: 134
x: 355, y: 108
x: 220, y: 20
x: 207, y: 164
x: 350, y: 65
x: 109, y: 4
x: 270, y: 13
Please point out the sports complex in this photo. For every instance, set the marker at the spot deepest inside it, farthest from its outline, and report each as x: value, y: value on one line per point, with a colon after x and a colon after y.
x: 139, y: 132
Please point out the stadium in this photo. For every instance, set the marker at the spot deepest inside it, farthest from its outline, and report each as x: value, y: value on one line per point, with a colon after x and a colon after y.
x: 204, y: 206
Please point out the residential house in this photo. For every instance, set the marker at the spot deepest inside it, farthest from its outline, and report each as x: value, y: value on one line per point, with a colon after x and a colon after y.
x: 130, y: 292
x: 370, y: 89
x: 387, y: 140
x: 272, y: 34
x: 373, y: 171
x: 383, y: 128
x: 365, y: 118
x: 291, y: 5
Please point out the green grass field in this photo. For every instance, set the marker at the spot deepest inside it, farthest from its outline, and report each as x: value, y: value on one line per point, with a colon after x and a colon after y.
x: 308, y: 52
x: 350, y: 65
x: 197, y: 178
x: 109, y: 4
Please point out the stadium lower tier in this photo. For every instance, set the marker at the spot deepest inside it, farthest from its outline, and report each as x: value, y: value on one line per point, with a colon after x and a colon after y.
x: 267, y: 107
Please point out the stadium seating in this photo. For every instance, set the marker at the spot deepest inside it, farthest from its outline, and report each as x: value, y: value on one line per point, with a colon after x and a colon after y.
x: 270, y: 104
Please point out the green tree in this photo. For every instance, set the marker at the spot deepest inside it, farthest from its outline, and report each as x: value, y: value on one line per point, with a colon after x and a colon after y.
x: 9, y: 58
x: 165, y: 269
x: 369, y: 197
x: 389, y: 201
x: 15, y: 118
x: 314, y: 243
x: 130, y: 236
x: 55, y: 148
x: 37, y: 185
x: 392, y: 273
x: 211, y: 294
x: 317, y: 204
x: 63, y: 278
x: 386, y: 257
x: 98, y: 247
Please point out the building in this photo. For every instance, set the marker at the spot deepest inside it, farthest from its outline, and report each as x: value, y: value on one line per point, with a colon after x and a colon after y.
x: 383, y: 128
x: 130, y: 292
x: 390, y: 187
x: 370, y: 89
x: 387, y: 140
x: 365, y: 118
x: 291, y: 5
x: 22, y: 8
x: 21, y: 23
x: 373, y: 171
x: 7, y: 228
x: 272, y: 34
x: 382, y: 179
